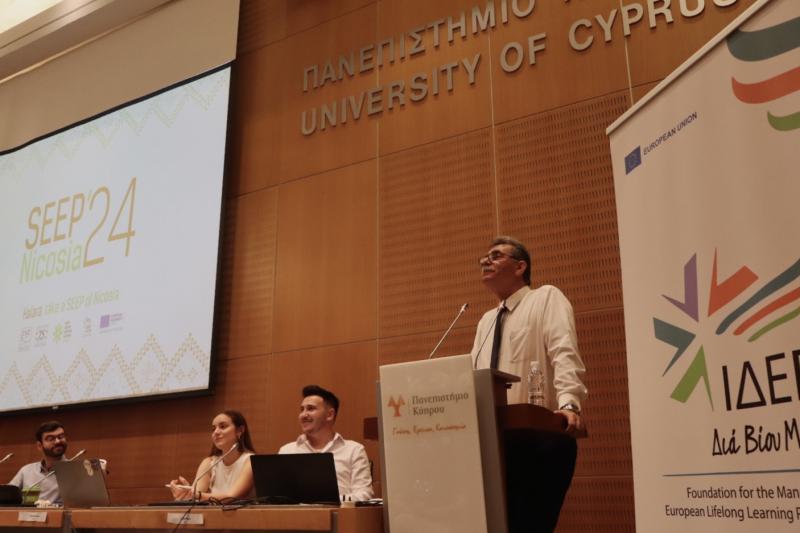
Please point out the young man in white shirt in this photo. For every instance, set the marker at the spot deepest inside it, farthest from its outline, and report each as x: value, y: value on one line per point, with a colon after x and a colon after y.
x: 318, y: 411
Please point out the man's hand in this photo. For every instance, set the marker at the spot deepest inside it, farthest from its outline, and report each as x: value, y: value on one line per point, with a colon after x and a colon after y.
x: 574, y: 424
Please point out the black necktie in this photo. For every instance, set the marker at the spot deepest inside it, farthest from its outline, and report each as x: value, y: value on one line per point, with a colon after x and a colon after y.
x: 498, y: 333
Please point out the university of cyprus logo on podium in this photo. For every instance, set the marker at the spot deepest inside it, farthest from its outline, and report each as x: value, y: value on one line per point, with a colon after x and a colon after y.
x: 396, y: 405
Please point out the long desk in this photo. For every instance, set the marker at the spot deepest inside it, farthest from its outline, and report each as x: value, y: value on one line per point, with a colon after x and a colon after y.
x: 22, y: 517
x: 274, y: 519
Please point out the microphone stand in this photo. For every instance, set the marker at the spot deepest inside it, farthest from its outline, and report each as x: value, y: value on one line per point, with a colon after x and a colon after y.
x: 209, y: 469
x: 195, y: 499
x: 453, y: 323
x: 50, y: 473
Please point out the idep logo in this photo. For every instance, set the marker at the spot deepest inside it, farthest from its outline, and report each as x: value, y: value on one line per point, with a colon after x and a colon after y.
x: 396, y: 404
x: 768, y: 307
x: 762, y: 45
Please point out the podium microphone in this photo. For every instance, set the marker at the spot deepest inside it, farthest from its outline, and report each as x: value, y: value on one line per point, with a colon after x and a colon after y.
x: 210, y: 468
x: 453, y: 323
x: 7, y: 457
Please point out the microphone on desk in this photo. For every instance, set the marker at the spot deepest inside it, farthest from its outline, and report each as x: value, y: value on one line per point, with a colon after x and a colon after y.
x: 7, y: 457
x: 453, y: 323
x: 210, y: 468
x: 81, y: 452
x: 50, y: 473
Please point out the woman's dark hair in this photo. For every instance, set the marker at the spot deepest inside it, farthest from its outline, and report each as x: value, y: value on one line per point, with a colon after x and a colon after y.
x: 244, y: 442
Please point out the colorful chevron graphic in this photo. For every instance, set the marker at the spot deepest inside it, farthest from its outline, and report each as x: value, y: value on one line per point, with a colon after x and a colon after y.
x: 760, y: 45
x: 773, y: 304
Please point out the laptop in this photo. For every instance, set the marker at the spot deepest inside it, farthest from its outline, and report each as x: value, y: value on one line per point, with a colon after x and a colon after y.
x: 295, y: 478
x: 82, y: 483
x: 10, y: 495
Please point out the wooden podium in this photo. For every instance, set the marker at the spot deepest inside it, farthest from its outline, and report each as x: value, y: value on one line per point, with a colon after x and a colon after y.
x: 439, y: 424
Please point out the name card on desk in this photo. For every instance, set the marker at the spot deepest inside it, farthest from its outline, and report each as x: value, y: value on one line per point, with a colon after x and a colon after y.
x: 185, y: 519
x: 32, y: 516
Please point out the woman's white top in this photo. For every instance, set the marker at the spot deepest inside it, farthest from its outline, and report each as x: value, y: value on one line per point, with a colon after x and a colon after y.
x: 223, y: 476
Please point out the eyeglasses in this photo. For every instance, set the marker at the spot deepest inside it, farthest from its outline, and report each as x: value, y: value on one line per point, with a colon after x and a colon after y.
x: 494, y: 256
x: 53, y: 438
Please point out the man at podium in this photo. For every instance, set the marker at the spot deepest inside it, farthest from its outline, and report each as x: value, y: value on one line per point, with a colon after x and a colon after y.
x: 531, y: 334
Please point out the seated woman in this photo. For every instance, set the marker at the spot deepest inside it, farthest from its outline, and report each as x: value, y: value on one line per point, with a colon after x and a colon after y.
x: 226, y: 472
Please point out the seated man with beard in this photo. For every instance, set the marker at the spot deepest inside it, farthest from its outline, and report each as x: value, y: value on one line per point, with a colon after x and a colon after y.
x: 52, y: 442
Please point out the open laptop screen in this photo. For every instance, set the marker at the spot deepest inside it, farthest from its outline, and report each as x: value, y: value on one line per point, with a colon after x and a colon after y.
x: 295, y: 478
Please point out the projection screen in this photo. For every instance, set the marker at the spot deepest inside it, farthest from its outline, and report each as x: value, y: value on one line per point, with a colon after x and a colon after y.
x: 110, y: 230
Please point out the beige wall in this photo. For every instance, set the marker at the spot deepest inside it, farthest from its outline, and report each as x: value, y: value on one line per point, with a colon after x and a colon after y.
x: 81, y: 58
x: 354, y: 247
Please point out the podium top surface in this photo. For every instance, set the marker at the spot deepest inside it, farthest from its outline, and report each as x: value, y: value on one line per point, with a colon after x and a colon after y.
x: 498, y: 375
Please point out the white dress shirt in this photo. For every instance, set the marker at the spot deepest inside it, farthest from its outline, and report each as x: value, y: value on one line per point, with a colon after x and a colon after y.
x: 352, y: 465
x: 539, y: 326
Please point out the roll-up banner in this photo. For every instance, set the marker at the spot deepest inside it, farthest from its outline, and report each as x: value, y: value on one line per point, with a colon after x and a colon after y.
x: 707, y: 179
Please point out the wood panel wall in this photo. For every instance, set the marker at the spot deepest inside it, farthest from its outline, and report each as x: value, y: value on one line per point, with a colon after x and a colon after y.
x: 355, y: 246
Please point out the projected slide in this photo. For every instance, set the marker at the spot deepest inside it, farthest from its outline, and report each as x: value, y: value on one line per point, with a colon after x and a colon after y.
x: 110, y: 235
